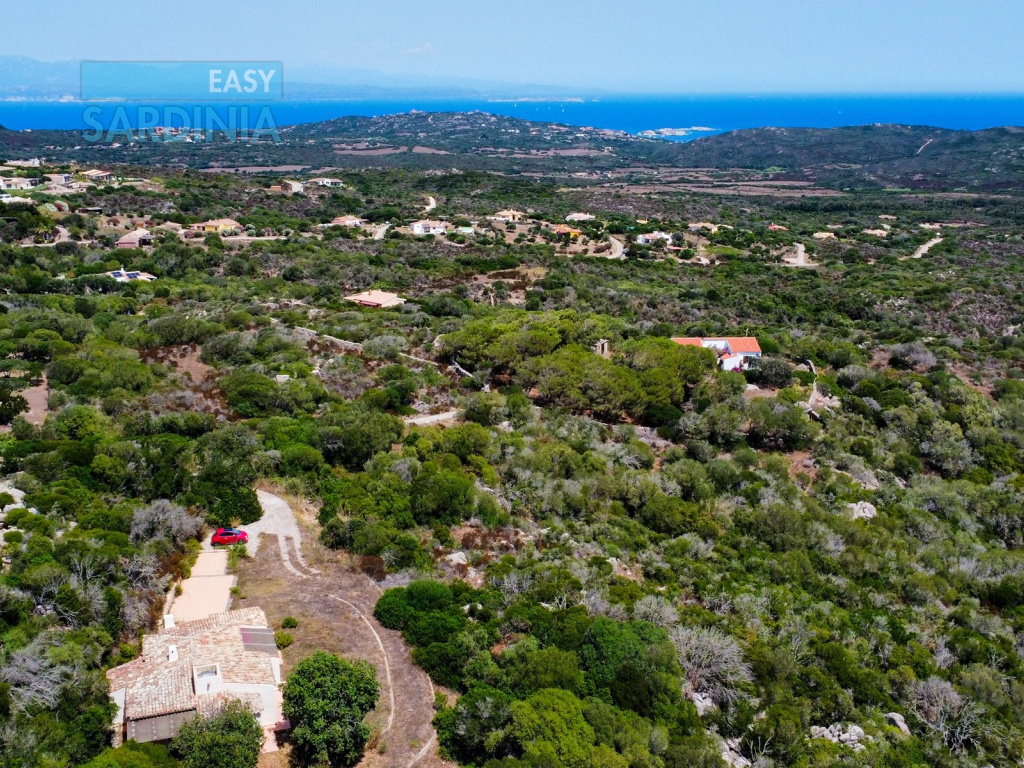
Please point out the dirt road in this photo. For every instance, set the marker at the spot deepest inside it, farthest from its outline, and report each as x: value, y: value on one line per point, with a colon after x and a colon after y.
x: 618, y: 248
x: 431, y: 204
x: 379, y: 232
x: 334, y: 610
x: 38, y: 402
x: 926, y: 247
x: 63, y: 236
x: 431, y: 418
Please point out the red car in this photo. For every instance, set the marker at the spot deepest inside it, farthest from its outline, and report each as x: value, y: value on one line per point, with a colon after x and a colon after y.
x: 228, y: 536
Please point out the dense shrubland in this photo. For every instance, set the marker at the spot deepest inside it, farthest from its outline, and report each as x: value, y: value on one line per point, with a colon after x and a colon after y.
x: 609, y: 560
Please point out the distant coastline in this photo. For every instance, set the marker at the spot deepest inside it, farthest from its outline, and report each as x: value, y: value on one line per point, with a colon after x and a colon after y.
x: 661, y: 117
x: 540, y: 100
x: 671, y: 132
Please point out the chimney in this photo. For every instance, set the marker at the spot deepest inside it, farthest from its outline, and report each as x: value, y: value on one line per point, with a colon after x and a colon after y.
x: 172, y: 653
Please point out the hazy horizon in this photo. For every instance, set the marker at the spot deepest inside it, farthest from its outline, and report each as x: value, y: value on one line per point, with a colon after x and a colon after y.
x: 692, y: 47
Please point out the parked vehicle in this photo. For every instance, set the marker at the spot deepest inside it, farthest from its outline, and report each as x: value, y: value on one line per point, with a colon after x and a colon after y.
x: 228, y: 536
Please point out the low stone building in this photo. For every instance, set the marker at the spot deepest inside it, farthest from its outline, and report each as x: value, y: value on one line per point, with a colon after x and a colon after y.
x: 192, y: 669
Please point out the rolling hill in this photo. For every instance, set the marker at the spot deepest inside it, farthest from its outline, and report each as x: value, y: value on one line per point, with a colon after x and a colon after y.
x: 861, y: 157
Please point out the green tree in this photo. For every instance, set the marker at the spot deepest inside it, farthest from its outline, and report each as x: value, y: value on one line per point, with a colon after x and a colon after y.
x: 133, y: 755
x: 441, y: 496
x: 233, y: 504
x: 233, y: 738
x: 326, y: 698
x: 11, y: 404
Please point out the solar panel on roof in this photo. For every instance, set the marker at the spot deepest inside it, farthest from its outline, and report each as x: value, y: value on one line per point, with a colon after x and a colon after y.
x: 259, y: 640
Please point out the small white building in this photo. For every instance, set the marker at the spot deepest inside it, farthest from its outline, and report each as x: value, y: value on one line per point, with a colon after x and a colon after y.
x: 427, y: 227
x: 325, y: 182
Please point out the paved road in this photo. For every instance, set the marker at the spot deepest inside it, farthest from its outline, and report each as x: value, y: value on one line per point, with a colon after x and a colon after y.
x: 926, y: 247
x: 206, y: 591
x: 379, y: 232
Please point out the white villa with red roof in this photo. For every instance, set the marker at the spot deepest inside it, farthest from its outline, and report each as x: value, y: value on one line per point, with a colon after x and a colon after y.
x: 734, y: 352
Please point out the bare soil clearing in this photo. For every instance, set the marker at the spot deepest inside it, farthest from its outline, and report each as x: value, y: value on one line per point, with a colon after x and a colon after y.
x: 334, y: 609
x: 38, y: 402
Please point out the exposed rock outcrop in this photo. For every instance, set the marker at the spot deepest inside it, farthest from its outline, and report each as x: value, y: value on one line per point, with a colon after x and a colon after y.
x: 862, y: 510
x: 851, y: 736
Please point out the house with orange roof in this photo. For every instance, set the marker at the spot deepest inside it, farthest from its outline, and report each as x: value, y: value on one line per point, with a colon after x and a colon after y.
x: 734, y: 352
x: 565, y: 229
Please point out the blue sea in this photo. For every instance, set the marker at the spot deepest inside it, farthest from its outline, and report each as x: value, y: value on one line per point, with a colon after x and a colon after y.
x: 705, y: 114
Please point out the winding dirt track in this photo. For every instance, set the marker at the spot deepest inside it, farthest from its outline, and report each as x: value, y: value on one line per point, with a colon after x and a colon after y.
x: 334, y: 609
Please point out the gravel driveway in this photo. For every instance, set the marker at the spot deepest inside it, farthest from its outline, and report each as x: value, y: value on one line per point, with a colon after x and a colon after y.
x: 278, y: 520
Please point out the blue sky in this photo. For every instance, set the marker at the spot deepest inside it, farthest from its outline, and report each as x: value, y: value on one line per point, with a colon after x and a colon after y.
x: 668, y: 46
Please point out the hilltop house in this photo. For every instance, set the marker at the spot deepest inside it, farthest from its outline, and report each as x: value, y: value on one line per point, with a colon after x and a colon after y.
x: 97, y: 175
x: 347, y: 221
x: 426, y: 227
x: 508, y: 216
x: 651, y: 237
x: 376, y: 299
x: 18, y: 182
x: 219, y: 226
x: 734, y: 352
x: 60, y: 178
x: 324, y: 182
x: 193, y: 669
x: 564, y: 229
x: 136, y: 239
x: 122, y: 275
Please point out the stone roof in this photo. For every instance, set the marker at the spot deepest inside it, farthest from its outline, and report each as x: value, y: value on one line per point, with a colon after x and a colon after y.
x: 163, y: 679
